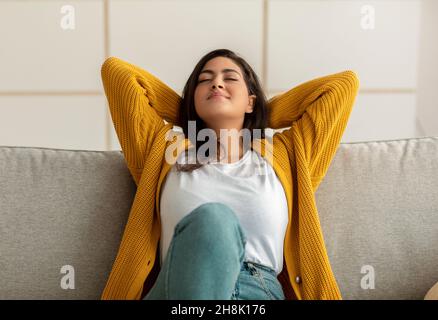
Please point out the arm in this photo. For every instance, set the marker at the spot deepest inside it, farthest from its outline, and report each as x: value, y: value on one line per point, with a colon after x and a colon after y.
x: 318, y: 112
x: 138, y: 102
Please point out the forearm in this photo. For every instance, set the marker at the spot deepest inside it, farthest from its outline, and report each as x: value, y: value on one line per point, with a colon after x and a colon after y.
x: 161, y: 97
x: 291, y: 105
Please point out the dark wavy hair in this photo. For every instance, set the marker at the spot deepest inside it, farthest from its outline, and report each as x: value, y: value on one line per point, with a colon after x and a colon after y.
x: 257, y: 119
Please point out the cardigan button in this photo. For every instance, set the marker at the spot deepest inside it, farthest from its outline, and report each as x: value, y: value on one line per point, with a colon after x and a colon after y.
x: 298, y: 279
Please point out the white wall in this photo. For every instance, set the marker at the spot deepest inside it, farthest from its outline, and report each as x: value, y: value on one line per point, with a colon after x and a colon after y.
x: 50, y: 88
x: 51, y: 93
x: 427, y: 97
x: 312, y: 38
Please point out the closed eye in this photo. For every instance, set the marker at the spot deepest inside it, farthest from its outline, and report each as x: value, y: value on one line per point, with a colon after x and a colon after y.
x: 209, y: 79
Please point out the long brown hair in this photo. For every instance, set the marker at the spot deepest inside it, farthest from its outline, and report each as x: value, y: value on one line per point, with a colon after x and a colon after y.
x: 258, y: 119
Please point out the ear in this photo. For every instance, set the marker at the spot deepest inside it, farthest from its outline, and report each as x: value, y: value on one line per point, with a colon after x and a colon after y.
x: 251, y: 103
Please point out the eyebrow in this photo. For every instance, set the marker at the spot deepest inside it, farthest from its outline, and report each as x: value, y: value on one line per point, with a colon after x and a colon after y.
x: 223, y: 71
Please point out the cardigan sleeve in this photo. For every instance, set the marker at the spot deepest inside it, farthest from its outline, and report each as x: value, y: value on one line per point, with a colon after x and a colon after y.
x: 138, y: 103
x: 317, y: 112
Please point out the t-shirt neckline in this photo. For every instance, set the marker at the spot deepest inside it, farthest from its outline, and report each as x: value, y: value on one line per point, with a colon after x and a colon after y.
x: 233, y: 164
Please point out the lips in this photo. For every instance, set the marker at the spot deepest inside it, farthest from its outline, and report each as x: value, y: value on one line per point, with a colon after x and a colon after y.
x: 217, y: 95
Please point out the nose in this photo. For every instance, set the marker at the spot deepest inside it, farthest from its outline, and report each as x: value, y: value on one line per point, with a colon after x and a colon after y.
x: 217, y: 83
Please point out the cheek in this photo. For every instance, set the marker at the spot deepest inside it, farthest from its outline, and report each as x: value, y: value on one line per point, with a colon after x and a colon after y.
x: 199, y: 92
x: 198, y: 100
x: 196, y: 97
x: 241, y: 98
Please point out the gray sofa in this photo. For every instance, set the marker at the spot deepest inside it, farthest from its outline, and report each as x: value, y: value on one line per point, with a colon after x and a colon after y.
x: 62, y: 215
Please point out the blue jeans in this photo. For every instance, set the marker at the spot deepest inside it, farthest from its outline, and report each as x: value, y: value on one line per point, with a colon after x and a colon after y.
x: 205, y: 261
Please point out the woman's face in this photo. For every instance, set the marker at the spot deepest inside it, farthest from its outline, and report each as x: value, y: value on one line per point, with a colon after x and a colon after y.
x: 228, y: 110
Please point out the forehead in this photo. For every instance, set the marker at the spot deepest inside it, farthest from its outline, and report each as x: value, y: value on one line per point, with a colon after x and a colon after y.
x: 221, y: 64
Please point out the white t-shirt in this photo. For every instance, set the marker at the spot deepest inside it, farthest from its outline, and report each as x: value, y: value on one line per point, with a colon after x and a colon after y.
x: 248, y: 186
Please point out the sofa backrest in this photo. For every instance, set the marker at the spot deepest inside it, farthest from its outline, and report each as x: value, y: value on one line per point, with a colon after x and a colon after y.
x: 378, y: 207
x: 63, y: 212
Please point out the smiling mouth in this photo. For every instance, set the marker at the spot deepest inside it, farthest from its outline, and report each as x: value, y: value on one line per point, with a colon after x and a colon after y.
x: 217, y: 97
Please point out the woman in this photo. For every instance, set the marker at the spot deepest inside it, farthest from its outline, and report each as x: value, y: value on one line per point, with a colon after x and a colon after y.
x: 242, y: 223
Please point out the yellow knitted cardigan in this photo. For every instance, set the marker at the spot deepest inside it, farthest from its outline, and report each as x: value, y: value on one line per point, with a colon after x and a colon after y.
x: 316, y: 111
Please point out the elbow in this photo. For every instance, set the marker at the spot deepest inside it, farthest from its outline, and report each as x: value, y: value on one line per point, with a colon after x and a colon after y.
x: 106, y: 66
x: 353, y: 80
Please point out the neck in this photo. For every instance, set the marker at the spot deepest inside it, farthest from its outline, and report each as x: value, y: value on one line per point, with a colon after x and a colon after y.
x: 229, y: 148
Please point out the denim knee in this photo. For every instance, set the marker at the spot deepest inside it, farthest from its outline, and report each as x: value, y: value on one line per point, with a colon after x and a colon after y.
x: 214, y: 220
